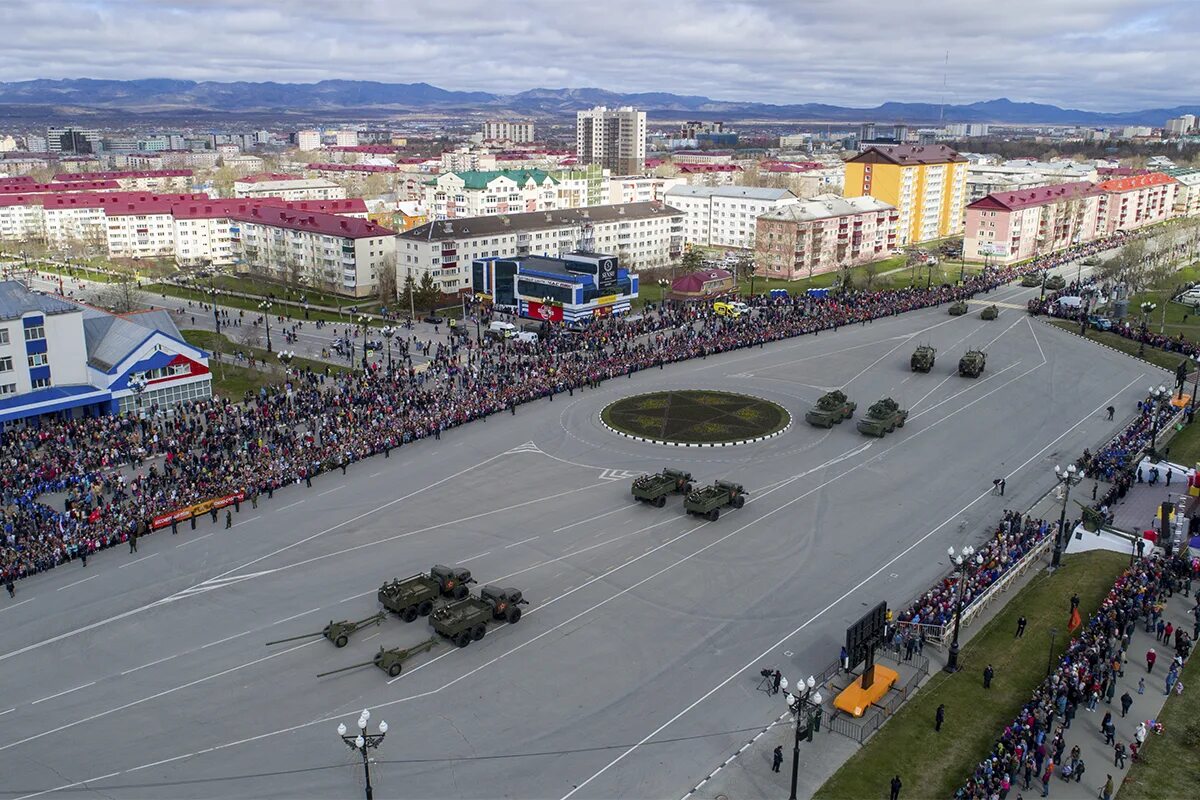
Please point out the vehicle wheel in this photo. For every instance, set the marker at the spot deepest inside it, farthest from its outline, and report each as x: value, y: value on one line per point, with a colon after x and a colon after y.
x: 460, y: 592
x: 514, y: 615
x: 425, y: 608
x: 463, y: 639
x: 477, y: 632
x: 714, y: 514
x: 838, y: 421
x: 409, y: 614
x: 394, y: 670
x: 660, y: 501
x: 739, y: 501
x: 341, y: 641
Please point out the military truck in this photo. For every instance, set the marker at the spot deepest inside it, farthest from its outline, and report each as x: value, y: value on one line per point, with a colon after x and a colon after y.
x: 958, y: 309
x: 883, y: 417
x: 707, y: 501
x: 466, y: 620
x: 923, y: 358
x: 654, y: 488
x: 414, y: 596
x: 990, y: 313
x: 1031, y: 279
x: 830, y: 410
x: 972, y: 363
x: 1055, y: 282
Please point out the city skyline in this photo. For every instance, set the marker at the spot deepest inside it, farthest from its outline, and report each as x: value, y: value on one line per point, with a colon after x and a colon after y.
x: 1113, y: 55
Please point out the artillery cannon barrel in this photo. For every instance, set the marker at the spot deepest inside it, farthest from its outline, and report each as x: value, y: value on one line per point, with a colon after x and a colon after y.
x: 428, y: 644
x: 374, y: 619
x: 345, y: 669
x: 297, y: 638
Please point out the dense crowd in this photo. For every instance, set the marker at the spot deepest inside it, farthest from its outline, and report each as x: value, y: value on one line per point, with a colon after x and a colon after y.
x: 288, y: 433
x: 1033, y: 746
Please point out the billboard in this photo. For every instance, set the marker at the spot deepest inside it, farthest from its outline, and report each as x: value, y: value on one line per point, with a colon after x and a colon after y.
x: 862, y: 636
x: 544, y: 312
x: 606, y: 273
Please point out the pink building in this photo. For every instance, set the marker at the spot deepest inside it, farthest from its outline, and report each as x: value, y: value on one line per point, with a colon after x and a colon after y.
x: 1008, y: 227
x: 1134, y: 202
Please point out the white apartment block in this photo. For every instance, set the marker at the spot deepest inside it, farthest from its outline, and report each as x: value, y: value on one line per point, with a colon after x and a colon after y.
x: 455, y: 195
x: 503, y: 130
x: 157, y: 181
x: 308, y: 140
x: 613, y: 138
x: 140, y: 230
x: 642, y: 234
x: 466, y: 159
x: 345, y: 139
x: 1187, y: 194
x: 289, y: 188
x: 725, y: 216
x: 641, y: 188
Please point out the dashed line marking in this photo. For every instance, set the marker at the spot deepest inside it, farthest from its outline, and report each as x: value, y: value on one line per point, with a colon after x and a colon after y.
x: 60, y: 694
x: 190, y: 541
x: 151, y: 664
x: 76, y: 583
x: 140, y: 560
x: 289, y: 505
x: 14, y: 605
x: 329, y: 491
x: 295, y: 616
x: 226, y: 639
x: 477, y: 555
x: 523, y: 541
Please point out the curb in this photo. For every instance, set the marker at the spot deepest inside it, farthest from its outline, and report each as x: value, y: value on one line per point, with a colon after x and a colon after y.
x: 1047, y: 322
x: 648, y: 440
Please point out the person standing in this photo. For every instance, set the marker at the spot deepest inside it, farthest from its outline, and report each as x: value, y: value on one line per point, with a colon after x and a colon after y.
x: 228, y: 519
x: 1020, y: 627
x: 1126, y: 702
x: 939, y: 717
x: 133, y: 541
x: 83, y: 552
x: 988, y: 674
x: 174, y: 525
x: 1119, y: 755
x: 896, y: 784
x: 1151, y: 657
x: 775, y: 679
x: 777, y: 758
x: 12, y: 590
x: 1074, y: 601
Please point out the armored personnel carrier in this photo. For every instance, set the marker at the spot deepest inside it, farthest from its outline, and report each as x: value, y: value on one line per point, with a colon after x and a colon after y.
x: 883, y: 417
x: 707, y: 501
x: 972, y: 363
x: 465, y: 621
x: 923, y: 358
x: 989, y: 313
x: 654, y: 488
x: 1031, y: 280
x: 958, y: 309
x: 1055, y: 282
x: 830, y: 410
x: 413, y: 596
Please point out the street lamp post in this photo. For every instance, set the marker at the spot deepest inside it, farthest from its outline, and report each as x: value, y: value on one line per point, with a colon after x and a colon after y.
x: 137, y: 385
x: 363, y: 320
x: 388, y: 332
x: 265, y: 307
x: 286, y: 356
x: 1196, y: 385
x: 1157, y: 396
x: 806, y: 705
x: 1050, y: 656
x: 1066, y: 478
x: 962, y: 561
x: 362, y: 741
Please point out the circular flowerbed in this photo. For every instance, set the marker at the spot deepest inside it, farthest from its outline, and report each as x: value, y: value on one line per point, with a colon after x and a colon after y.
x: 696, y: 417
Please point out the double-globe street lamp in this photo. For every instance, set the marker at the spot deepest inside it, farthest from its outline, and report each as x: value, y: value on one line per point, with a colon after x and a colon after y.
x: 265, y: 308
x: 962, y: 561
x: 362, y: 741
x: 388, y: 332
x: 363, y: 322
x: 1066, y: 479
x: 805, y: 704
x: 137, y: 385
x: 1158, y: 395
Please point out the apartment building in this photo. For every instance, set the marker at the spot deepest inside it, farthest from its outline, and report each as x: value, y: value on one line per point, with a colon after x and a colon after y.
x: 73, y: 140
x: 702, y: 157
x: 58, y: 187
x: 710, y: 174
x: 926, y: 183
x: 455, y: 195
x: 613, y: 138
x: 150, y: 180
x: 503, y: 130
x: 1187, y: 193
x: 345, y: 138
x: 354, y: 174
x: 1009, y: 227
x: 1136, y: 201
x: 288, y: 187
x: 308, y: 139
x: 984, y: 179
x: 828, y: 232
x: 640, y: 188
x: 725, y: 216
x: 642, y: 235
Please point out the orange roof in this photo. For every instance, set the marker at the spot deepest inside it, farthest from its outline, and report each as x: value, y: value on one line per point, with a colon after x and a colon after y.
x: 1136, y: 182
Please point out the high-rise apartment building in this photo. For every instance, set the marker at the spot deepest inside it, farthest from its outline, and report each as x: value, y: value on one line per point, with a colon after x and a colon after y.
x: 72, y: 140
x: 516, y: 131
x: 308, y: 139
x: 613, y: 138
x: 346, y: 138
x: 926, y: 183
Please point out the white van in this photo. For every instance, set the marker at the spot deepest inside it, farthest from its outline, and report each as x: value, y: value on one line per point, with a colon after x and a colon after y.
x: 505, y: 329
x: 527, y: 336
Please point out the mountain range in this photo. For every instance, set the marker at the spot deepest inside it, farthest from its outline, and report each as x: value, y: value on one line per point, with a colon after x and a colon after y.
x: 160, y: 95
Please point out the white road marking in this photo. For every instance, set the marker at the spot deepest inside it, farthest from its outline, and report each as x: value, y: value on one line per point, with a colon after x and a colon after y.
x: 356, y: 596
x: 2, y: 713
x: 295, y: 616
x: 523, y: 541
x: 60, y: 694
x: 76, y: 583
x: 903, y: 341
x: 189, y: 541
x: 226, y: 639
x: 140, y: 560
x: 334, y: 489
x: 248, y: 519
x: 289, y: 505
x: 369, y: 638
x: 477, y: 555
x: 68, y: 786
x: 375, y: 474
x: 151, y: 664
x: 586, y: 521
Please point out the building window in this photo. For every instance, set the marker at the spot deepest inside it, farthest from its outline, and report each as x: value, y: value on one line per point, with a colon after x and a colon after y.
x: 6, y: 364
x: 40, y: 383
x: 8, y: 388
x: 38, y: 360
x: 35, y: 332
x: 3, y: 335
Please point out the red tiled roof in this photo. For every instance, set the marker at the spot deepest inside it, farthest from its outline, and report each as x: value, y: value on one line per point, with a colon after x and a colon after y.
x: 263, y: 177
x: 350, y: 205
x: 1120, y: 172
x: 791, y: 166
x: 1136, y: 182
x: 76, y: 177
x: 353, y: 168
x: 908, y: 154
x: 1038, y: 196
x: 376, y: 149
x: 314, y: 221
x: 18, y: 179
x: 47, y: 188
x: 123, y: 200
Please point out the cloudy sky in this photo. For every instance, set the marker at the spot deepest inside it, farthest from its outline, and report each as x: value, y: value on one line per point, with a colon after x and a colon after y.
x: 1094, y: 54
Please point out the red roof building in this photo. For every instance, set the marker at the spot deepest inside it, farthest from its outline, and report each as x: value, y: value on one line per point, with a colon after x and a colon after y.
x: 1136, y: 201
x: 51, y: 188
x: 1009, y: 227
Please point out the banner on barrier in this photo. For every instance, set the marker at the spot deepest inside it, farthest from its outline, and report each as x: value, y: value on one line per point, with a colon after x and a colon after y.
x: 195, y: 510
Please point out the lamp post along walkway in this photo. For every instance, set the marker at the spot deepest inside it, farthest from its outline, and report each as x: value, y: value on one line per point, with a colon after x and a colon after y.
x: 362, y: 742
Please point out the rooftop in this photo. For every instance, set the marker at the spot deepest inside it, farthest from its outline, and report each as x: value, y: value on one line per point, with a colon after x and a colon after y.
x: 1037, y: 196
x: 1133, y: 182
x: 16, y: 301
x: 7, y: 187
x: 479, y: 179
x: 908, y: 154
x: 263, y: 177
x: 76, y: 177
x: 536, y: 221
x: 827, y: 206
x: 352, y: 168
x: 747, y: 192
x: 687, y: 169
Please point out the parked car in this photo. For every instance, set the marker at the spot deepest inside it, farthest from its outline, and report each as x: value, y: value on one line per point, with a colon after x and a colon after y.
x: 1099, y: 323
x: 434, y: 319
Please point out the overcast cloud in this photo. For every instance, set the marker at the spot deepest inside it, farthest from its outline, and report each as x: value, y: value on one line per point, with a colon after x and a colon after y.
x: 1104, y: 55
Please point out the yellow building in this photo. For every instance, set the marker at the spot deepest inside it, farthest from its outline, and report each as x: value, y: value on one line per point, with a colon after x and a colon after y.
x: 926, y: 183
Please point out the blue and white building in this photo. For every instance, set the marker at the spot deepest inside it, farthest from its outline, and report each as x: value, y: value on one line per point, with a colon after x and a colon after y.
x: 576, y: 287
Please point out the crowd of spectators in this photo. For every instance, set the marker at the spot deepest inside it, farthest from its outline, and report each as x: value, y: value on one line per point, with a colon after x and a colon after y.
x: 96, y: 468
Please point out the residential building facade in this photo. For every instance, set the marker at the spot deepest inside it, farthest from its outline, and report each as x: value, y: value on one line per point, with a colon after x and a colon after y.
x: 926, y: 183
x: 157, y: 180
x: 308, y: 139
x: 725, y: 216
x: 504, y: 130
x: 828, y: 232
x: 1136, y: 201
x: 613, y: 138
x: 288, y: 187
x: 639, y: 189
x: 455, y: 195
x: 1009, y: 227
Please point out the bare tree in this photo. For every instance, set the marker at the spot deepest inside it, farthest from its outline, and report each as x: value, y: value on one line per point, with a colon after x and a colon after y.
x: 121, y: 295
x: 386, y: 279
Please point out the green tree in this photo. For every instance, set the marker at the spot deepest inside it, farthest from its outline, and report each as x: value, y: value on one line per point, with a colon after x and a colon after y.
x: 428, y: 292
x: 691, y: 260
x: 408, y: 292
x: 745, y: 268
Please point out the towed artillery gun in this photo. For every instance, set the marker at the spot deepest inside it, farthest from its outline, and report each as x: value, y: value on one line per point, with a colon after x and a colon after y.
x: 707, y: 501
x: 830, y: 410
x: 990, y: 313
x: 390, y: 660
x: 654, y: 488
x: 972, y: 363
x: 958, y: 309
x: 883, y: 417
x: 413, y: 596
x: 923, y: 358
x: 337, y: 632
x: 465, y: 621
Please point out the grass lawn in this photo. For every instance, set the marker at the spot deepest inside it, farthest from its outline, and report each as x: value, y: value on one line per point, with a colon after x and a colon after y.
x: 695, y: 416
x: 1152, y: 354
x: 1169, y: 766
x: 262, y: 288
x: 935, y: 764
x: 231, y: 382
x: 214, y: 342
x: 294, y: 312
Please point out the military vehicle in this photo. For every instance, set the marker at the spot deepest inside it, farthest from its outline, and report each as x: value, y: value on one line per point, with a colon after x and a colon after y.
x: 1031, y: 280
x: 884, y: 416
x: 958, y: 309
x: 989, y: 313
x: 830, y: 410
x: 337, y: 632
x: 390, y: 660
x: 707, y: 501
x: 465, y: 621
x: 654, y: 488
x: 1055, y: 282
x: 413, y: 596
x: 972, y: 363
x: 923, y: 358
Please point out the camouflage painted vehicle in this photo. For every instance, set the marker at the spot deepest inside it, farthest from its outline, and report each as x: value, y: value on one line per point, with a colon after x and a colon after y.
x: 830, y: 410
x: 466, y: 620
x: 337, y: 632
x: 1055, y: 282
x: 1031, y: 280
x: 989, y: 313
x: 923, y: 358
x: 883, y: 417
x: 654, y: 488
x: 390, y: 660
x: 972, y: 363
x: 707, y: 501
x: 958, y: 309
x: 414, y: 596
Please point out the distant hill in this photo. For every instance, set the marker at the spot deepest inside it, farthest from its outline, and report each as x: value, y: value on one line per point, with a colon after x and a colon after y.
x: 157, y: 95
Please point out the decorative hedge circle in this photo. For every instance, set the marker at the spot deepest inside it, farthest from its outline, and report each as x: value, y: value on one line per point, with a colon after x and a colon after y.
x: 696, y: 418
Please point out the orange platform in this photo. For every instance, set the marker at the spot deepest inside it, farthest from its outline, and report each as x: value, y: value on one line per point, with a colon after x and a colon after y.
x: 854, y: 699
x: 1181, y: 401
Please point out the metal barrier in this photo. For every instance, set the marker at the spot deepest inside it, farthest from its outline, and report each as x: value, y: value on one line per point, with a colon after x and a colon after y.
x: 857, y: 729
